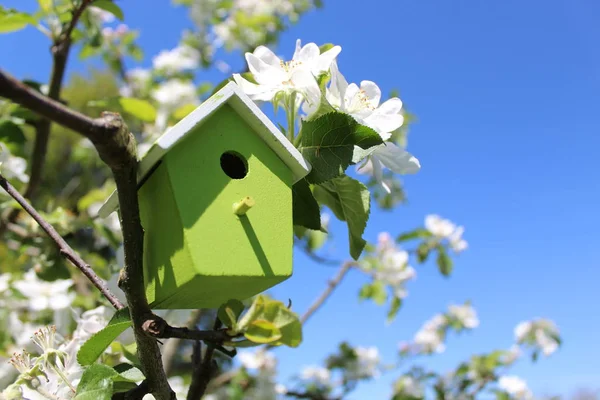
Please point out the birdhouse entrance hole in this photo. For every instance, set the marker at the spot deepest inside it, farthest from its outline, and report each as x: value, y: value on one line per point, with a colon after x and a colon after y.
x: 234, y: 165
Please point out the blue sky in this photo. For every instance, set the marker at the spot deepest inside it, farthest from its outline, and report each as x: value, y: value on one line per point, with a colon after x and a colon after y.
x: 507, y: 95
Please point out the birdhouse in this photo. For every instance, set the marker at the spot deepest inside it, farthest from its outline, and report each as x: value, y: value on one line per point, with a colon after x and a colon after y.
x: 215, y: 195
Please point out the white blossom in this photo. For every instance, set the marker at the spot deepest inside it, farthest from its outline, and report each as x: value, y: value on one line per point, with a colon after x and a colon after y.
x: 541, y: 331
x: 466, y: 314
x: 100, y: 16
x: 392, y: 265
x: 408, y: 386
x: 43, y: 294
x: 319, y: 375
x: 362, y: 103
x: 366, y: 364
x: 91, y: 322
x: 430, y: 338
x: 392, y: 157
x: 515, y: 386
x: 181, y: 58
x: 259, y: 359
x: 111, y: 34
x: 297, y: 76
x: 4, y: 279
x: 12, y: 167
x: 442, y: 228
x: 174, y: 93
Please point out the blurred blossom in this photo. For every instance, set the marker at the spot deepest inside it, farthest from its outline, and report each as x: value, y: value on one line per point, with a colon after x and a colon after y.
x: 515, y: 386
x: 43, y: 294
x: 430, y: 338
x: 541, y: 332
x: 171, y: 95
x: 442, y: 228
x: 181, y: 58
x: 391, y: 266
x: 100, y: 16
x: 465, y: 314
x: 259, y: 359
x: 4, y: 279
x: 392, y: 157
x: 111, y: 34
x: 408, y: 386
x: 91, y: 322
x: 366, y: 364
x: 319, y: 375
x: 512, y: 355
x: 12, y: 167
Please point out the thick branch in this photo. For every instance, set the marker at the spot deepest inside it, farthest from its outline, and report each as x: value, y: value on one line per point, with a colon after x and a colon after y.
x: 60, y: 54
x: 65, y: 250
x: 331, y: 285
x: 116, y: 147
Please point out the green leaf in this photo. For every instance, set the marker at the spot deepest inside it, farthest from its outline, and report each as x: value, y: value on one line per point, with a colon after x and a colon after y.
x: 45, y: 5
x: 12, y: 22
x: 276, y: 313
x: 286, y: 321
x: 11, y: 133
x: 128, y: 372
x: 417, y: 233
x: 261, y: 331
x: 350, y: 201
x: 316, y: 239
x: 305, y: 208
x: 111, y: 7
x: 230, y: 312
x: 423, y: 252
x: 183, y: 111
x: 444, y: 261
x: 328, y: 144
x: 374, y: 291
x: 140, y: 109
x: 96, y: 383
x: 394, y: 308
x: 95, y: 346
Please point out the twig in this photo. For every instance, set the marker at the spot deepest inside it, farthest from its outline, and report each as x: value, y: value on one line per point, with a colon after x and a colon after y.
x: 331, y: 285
x: 159, y: 328
x: 65, y: 250
x: 172, y: 346
x: 60, y: 53
x: 203, y: 371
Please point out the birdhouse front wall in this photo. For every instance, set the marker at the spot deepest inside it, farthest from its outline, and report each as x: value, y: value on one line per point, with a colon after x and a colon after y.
x: 198, y: 252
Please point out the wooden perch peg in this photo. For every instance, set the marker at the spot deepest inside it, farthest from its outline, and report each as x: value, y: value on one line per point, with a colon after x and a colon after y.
x: 242, y: 207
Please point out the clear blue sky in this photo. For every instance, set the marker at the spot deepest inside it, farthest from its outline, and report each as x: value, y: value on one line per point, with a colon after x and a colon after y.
x: 507, y: 94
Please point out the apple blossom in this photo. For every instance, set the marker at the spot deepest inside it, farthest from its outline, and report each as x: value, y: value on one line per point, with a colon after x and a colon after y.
x: 274, y: 76
x: 43, y: 294
x: 366, y: 364
x: 392, y: 157
x: 442, y: 229
x: 319, y: 375
x: 515, y: 386
x: 12, y: 167
x: 465, y: 314
x: 181, y: 58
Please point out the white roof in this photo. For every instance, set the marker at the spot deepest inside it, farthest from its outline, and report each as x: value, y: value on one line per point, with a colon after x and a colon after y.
x: 230, y: 94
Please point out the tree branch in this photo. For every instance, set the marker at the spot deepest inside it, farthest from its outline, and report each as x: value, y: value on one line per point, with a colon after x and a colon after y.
x: 60, y: 54
x: 159, y: 328
x: 331, y: 285
x: 171, y: 348
x: 116, y: 147
x: 202, y: 373
x: 65, y: 250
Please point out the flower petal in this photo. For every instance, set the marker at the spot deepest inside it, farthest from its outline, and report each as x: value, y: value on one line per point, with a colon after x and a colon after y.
x: 372, y: 91
x: 308, y: 54
x: 336, y: 91
x: 266, y: 55
x: 305, y: 83
x: 325, y: 60
x: 254, y: 91
x: 265, y: 73
x: 397, y: 159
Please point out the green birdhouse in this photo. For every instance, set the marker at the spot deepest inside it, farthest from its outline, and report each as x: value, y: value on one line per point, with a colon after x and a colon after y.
x: 216, y: 205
